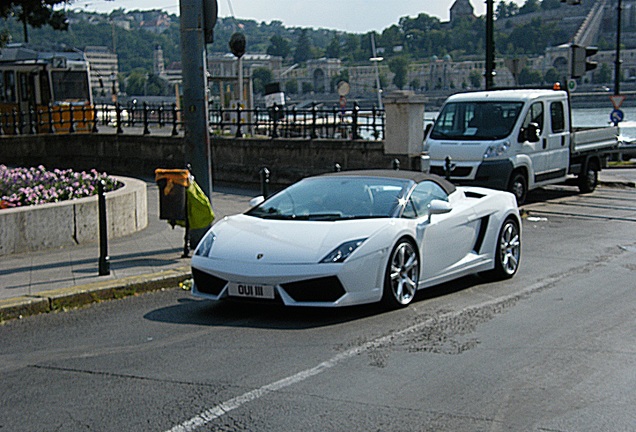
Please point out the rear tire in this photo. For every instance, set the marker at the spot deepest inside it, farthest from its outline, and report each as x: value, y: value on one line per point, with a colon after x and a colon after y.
x: 507, y: 251
x: 402, y: 276
x: 588, y: 180
x: 518, y: 186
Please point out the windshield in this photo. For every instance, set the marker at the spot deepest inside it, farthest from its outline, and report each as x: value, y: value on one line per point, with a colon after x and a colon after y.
x: 333, y: 198
x: 70, y: 86
x: 476, y: 120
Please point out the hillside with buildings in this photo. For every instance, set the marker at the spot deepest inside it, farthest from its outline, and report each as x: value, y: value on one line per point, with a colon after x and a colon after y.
x: 138, y: 53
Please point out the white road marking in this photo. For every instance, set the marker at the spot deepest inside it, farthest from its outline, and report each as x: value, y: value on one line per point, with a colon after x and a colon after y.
x: 234, y: 403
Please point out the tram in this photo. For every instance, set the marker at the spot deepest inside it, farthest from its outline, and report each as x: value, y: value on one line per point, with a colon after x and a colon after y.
x: 44, y: 92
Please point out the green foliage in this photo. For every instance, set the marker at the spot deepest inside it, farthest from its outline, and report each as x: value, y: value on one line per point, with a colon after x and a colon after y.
x: 303, y: 50
x: 528, y: 76
x: 35, y: 13
x: 400, y: 67
x: 278, y: 46
x: 420, y: 37
x: 604, y: 74
x: 476, y: 79
x: 262, y: 76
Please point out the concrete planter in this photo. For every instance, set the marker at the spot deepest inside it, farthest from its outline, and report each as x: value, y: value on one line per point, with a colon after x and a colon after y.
x: 34, y: 228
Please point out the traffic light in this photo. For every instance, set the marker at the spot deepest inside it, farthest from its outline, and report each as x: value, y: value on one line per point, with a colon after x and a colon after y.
x: 580, y: 62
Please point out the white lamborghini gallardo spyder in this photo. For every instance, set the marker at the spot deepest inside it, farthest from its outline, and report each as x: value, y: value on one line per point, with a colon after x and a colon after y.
x: 358, y: 237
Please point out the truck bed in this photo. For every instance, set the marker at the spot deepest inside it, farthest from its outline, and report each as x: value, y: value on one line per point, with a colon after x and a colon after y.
x: 594, y: 139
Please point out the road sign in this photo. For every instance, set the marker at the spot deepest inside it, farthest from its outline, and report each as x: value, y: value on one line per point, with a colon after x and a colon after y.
x: 571, y: 85
x: 617, y: 101
x: 617, y: 116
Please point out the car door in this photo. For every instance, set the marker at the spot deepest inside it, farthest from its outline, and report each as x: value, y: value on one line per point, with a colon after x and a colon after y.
x: 536, y: 151
x: 444, y: 240
x: 558, y: 143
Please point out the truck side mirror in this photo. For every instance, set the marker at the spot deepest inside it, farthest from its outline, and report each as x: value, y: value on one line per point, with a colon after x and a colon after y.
x: 531, y: 133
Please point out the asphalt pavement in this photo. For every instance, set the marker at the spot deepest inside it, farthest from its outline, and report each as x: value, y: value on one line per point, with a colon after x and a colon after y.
x: 152, y: 259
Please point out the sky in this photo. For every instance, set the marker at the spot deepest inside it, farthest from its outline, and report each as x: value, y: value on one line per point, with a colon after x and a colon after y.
x: 355, y: 16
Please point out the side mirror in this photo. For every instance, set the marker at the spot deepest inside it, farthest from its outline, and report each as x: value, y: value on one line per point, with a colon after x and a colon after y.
x: 437, y: 207
x: 256, y: 200
x: 532, y: 133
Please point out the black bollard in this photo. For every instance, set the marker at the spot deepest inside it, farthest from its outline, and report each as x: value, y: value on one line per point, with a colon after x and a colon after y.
x: 448, y: 167
x: 104, y: 259
x: 264, y: 182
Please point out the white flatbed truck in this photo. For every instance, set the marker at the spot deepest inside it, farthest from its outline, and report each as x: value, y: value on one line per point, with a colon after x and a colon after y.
x: 516, y: 140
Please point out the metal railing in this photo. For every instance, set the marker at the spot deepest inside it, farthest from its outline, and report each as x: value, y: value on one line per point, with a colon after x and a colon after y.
x: 274, y: 122
x: 281, y: 122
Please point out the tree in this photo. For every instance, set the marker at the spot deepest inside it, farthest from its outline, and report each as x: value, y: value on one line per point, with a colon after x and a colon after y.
x: 400, y: 67
x: 278, y: 46
x: 529, y: 7
x: 551, y: 76
x: 475, y: 79
x: 35, y: 13
x: 302, y: 53
x: 291, y: 86
x: 506, y: 10
x: 529, y: 76
x: 333, y: 49
x: 262, y: 76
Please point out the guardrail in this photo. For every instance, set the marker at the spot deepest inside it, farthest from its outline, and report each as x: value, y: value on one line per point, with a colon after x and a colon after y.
x: 273, y: 122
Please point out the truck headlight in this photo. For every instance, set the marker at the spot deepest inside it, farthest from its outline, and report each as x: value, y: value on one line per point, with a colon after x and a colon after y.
x: 496, y: 150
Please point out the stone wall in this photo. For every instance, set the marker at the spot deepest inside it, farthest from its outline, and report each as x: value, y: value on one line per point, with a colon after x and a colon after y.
x: 32, y: 228
x: 235, y: 161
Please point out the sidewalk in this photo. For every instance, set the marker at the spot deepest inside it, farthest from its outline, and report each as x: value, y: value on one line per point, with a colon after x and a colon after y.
x: 147, y: 260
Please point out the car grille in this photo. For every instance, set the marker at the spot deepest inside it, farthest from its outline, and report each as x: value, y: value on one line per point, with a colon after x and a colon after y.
x: 206, y: 283
x: 327, y: 289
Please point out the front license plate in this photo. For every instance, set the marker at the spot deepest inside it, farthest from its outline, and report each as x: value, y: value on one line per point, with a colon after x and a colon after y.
x: 251, y: 290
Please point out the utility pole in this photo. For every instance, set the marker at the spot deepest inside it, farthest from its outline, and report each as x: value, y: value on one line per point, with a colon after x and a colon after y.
x: 195, y: 104
x: 617, y: 64
x: 490, y: 45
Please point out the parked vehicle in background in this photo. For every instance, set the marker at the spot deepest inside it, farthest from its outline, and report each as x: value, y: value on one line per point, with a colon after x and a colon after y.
x: 516, y: 140
x: 44, y: 92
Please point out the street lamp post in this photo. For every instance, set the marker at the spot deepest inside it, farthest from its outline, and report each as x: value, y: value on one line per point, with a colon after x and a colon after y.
x: 490, y: 44
x: 375, y: 59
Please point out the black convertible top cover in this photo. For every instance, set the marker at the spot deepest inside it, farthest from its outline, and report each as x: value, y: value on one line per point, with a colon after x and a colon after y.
x: 415, y: 176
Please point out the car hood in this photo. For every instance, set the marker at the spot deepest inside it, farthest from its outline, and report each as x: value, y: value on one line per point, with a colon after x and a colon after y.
x: 247, y: 239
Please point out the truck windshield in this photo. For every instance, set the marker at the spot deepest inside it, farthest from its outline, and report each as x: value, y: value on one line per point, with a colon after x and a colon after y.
x: 476, y: 120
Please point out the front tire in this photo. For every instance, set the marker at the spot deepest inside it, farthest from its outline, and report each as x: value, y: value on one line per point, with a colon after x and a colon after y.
x: 402, y: 275
x: 507, y: 251
x: 518, y: 186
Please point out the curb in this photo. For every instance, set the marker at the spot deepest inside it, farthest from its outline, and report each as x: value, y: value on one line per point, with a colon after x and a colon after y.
x: 617, y: 184
x: 81, y: 295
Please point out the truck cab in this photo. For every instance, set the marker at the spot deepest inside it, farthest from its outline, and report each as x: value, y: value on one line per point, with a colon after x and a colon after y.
x: 514, y: 140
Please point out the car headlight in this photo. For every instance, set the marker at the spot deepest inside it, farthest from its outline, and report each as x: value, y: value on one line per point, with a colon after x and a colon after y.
x: 496, y: 150
x: 342, y: 252
x: 205, y: 245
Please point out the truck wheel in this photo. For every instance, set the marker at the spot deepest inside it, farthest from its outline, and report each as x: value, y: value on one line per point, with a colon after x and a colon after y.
x: 518, y: 186
x: 589, y: 178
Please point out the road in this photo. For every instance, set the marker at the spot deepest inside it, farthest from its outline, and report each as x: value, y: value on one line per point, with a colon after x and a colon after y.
x: 553, y: 349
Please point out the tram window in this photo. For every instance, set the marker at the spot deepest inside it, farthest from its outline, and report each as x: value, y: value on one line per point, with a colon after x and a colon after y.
x: 70, y: 86
x: 25, y: 90
x: 9, y: 86
x: 45, y: 89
